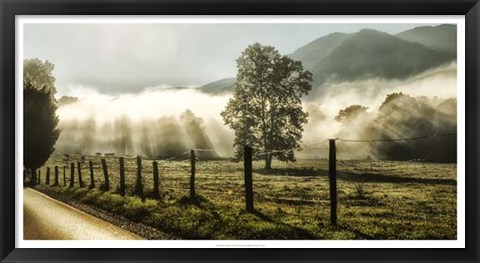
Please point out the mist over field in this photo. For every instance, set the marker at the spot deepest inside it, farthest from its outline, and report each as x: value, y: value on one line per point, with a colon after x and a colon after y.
x: 149, y: 123
x: 164, y: 122
x: 389, y: 82
x: 433, y: 111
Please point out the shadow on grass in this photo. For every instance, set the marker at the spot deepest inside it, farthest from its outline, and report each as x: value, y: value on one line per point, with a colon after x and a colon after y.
x: 286, y: 201
x: 153, y: 195
x: 299, y: 232
x: 354, y: 177
x: 292, y: 172
x: 356, y: 232
x: 198, y: 201
x: 263, y: 216
x: 380, y: 178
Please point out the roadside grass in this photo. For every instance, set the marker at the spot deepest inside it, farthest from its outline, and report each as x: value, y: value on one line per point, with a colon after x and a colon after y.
x: 377, y: 199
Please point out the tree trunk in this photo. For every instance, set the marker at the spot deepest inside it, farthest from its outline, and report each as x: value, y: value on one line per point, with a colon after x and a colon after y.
x: 33, y: 173
x: 268, y: 161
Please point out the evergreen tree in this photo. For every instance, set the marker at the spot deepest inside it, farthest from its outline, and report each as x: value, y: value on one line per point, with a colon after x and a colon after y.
x: 40, y: 120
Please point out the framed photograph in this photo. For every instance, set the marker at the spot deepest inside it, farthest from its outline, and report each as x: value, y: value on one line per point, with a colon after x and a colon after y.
x: 343, y: 132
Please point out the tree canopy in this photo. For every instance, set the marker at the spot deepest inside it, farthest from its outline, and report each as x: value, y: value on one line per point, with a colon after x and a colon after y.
x: 39, y: 74
x: 350, y: 113
x: 266, y: 110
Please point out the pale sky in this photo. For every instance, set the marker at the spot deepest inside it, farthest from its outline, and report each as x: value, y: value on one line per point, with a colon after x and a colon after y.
x: 126, y: 58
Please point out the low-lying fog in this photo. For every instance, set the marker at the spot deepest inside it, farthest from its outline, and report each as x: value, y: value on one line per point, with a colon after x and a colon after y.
x: 164, y: 122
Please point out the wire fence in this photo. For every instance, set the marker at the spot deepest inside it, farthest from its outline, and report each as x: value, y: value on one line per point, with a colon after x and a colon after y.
x: 320, y: 145
x: 398, y: 139
x: 190, y: 155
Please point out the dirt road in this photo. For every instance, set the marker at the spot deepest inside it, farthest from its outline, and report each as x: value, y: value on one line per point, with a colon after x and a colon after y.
x: 46, y: 218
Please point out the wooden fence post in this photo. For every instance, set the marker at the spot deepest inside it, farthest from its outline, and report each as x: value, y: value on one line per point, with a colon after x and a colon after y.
x: 106, y: 186
x: 47, y: 179
x: 27, y: 175
x: 31, y: 177
x: 79, y: 168
x: 72, y: 174
x: 92, y: 178
x: 156, y: 180
x: 33, y: 174
x: 56, y: 176
x: 247, y: 164
x: 192, y: 174
x: 138, y: 184
x: 332, y: 171
x: 64, y: 177
x: 122, y: 177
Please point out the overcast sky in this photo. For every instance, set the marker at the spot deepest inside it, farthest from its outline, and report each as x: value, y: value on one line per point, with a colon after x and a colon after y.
x: 119, y: 58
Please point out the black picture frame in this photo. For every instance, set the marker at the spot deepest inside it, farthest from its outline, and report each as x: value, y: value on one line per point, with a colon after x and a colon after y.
x: 10, y: 8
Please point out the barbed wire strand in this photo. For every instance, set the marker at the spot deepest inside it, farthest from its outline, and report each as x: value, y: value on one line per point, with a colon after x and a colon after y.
x: 314, y: 149
x: 398, y: 139
x: 308, y: 148
x: 204, y: 150
x: 305, y: 146
x: 177, y: 156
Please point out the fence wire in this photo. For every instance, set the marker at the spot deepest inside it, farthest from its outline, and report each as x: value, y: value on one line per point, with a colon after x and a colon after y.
x: 397, y: 139
x: 177, y: 156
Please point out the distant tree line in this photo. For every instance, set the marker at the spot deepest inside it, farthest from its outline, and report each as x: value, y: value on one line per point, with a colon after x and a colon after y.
x: 404, y: 116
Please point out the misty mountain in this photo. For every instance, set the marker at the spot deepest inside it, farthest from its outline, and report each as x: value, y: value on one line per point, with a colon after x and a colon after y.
x: 340, y: 57
x: 318, y: 49
x: 442, y: 37
x: 220, y: 86
x: 374, y: 54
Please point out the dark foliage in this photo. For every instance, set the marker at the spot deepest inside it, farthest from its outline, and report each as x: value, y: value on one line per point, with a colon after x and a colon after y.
x: 39, y: 125
x: 349, y: 113
x: 403, y: 116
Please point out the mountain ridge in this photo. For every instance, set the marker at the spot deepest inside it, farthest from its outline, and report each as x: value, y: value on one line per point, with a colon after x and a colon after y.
x: 441, y: 37
x: 367, y: 54
x: 370, y: 53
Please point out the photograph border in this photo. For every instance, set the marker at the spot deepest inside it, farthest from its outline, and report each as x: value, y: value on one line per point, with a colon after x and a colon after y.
x: 10, y: 9
x: 23, y: 22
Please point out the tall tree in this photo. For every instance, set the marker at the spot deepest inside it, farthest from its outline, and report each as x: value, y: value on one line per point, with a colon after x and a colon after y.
x: 266, y: 110
x: 39, y: 120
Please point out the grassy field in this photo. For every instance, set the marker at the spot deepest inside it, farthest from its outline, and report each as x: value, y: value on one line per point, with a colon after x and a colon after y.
x: 377, y: 199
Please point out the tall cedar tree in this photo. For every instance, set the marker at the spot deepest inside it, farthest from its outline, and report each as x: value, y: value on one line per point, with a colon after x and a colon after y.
x: 40, y: 126
x: 266, y: 110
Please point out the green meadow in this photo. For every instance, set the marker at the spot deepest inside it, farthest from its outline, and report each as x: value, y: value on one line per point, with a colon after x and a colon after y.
x: 376, y: 199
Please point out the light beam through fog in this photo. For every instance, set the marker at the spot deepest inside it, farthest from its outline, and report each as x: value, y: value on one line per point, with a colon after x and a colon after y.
x: 150, y: 123
x: 147, y: 123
